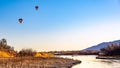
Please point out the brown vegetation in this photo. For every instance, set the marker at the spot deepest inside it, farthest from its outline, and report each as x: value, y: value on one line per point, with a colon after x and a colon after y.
x: 82, y: 52
x: 111, y: 50
x: 36, y: 62
x: 26, y: 52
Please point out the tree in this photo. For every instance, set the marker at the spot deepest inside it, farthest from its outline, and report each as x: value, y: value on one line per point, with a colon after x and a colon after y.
x: 4, y: 45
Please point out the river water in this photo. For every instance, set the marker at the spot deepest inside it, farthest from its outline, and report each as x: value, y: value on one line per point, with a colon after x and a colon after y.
x: 90, y: 61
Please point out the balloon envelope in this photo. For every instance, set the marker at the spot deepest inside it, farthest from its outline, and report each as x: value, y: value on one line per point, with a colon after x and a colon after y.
x: 36, y: 7
x: 20, y: 20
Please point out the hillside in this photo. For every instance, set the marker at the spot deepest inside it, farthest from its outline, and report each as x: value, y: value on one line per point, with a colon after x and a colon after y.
x: 102, y: 45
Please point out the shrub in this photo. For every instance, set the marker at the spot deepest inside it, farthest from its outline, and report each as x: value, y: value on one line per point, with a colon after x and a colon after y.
x: 26, y: 53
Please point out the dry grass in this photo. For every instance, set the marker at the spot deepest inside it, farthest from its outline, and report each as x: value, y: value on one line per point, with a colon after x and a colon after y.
x: 28, y: 62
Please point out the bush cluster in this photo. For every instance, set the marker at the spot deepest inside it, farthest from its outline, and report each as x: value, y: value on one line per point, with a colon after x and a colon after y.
x: 111, y: 50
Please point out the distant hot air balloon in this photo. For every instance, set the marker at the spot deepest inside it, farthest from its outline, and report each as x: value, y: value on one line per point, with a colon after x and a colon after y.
x: 36, y: 7
x: 20, y: 20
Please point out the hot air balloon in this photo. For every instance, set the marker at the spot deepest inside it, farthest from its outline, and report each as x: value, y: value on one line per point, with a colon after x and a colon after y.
x: 36, y: 7
x: 20, y: 20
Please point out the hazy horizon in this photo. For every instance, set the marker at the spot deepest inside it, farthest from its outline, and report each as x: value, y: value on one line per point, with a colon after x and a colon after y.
x: 59, y: 24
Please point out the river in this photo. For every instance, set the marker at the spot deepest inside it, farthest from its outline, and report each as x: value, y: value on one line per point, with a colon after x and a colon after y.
x: 90, y: 61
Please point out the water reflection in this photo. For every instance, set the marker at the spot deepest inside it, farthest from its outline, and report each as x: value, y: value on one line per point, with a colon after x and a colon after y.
x: 89, y: 61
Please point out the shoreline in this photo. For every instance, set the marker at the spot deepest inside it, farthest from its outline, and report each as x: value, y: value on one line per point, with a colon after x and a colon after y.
x: 108, y: 57
x: 37, y: 62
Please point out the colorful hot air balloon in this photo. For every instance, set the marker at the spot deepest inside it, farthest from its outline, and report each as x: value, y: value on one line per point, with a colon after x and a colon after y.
x: 20, y: 20
x: 36, y: 7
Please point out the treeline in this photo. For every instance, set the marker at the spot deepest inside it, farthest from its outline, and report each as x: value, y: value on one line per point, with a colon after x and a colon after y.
x: 111, y: 50
x: 79, y: 52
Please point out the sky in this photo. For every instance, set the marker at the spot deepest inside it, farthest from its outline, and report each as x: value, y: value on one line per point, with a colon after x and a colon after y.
x: 59, y: 24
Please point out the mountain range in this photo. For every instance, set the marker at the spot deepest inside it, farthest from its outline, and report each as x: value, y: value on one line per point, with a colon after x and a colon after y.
x: 102, y: 45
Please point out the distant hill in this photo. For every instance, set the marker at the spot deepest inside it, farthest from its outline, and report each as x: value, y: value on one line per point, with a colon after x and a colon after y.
x: 102, y: 45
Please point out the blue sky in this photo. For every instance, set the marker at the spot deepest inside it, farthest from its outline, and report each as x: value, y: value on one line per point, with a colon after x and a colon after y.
x: 59, y: 24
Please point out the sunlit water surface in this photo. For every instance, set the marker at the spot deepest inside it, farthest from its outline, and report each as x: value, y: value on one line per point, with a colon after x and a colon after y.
x: 90, y: 61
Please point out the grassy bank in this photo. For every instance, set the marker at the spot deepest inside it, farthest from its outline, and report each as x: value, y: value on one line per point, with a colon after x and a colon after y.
x: 34, y: 62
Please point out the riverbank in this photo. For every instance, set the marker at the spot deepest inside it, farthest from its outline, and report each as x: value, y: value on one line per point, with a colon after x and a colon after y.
x: 34, y: 62
x: 108, y: 57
